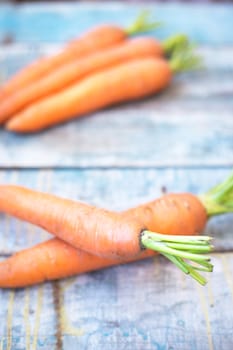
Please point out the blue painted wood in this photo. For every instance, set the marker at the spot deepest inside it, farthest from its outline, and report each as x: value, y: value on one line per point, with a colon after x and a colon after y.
x: 148, y: 305
x: 59, y: 22
x: 139, y: 134
x: 28, y: 318
x: 143, y: 305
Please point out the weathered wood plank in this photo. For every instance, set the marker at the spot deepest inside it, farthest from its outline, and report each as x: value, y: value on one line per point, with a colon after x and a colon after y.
x: 113, y: 189
x: 149, y: 305
x: 59, y: 22
x: 130, y: 135
x: 28, y: 318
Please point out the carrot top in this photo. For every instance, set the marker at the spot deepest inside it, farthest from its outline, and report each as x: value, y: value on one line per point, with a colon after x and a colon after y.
x: 181, y: 250
x: 174, y: 42
x: 180, y: 52
x: 142, y: 24
x: 219, y: 200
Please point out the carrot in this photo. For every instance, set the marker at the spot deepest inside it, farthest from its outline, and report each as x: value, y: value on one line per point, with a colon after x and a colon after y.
x: 53, y: 259
x: 92, y: 41
x: 96, y: 39
x: 131, y: 80
x: 77, y: 69
x: 128, y: 81
x: 56, y: 259
x: 171, y: 214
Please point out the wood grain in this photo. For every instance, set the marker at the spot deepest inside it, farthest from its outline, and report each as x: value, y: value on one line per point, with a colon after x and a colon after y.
x: 149, y: 133
x: 149, y: 304
x: 27, y: 318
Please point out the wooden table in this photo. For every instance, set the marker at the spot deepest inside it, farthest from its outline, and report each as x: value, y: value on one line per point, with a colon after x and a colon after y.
x: 181, y: 140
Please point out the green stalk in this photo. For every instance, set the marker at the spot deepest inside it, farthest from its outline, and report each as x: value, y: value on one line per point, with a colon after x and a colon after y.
x: 219, y: 200
x: 182, y: 250
x: 188, y: 252
x: 142, y: 24
x: 177, y: 48
x: 181, y: 54
x: 174, y: 43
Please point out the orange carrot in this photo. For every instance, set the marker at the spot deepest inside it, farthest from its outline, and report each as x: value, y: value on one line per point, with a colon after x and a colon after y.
x: 172, y: 214
x: 94, y: 40
x: 128, y: 81
x: 53, y: 259
x: 77, y: 69
x: 56, y: 259
x: 83, y: 226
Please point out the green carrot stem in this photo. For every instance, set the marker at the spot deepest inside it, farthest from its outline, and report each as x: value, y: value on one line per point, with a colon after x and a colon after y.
x: 185, y: 239
x: 142, y: 24
x: 197, y: 248
x: 185, y: 60
x: 181, y: 54
x: 174, y: 43
x: 180, y: 250
x: 175, y: 260
x: 205, y: 269
x: 195, y: 275
x: 219, y: 200
x: 207, y: 265
x: 187, y: 269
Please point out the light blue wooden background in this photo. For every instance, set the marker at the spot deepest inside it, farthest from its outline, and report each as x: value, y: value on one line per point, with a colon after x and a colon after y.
x: 117, y: 158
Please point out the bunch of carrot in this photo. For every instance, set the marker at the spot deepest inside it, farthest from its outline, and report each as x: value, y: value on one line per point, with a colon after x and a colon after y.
x: 102, y: 67
x: 89, y: 238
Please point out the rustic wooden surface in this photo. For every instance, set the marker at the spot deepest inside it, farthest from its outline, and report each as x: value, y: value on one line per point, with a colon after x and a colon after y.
x: 181, y: 140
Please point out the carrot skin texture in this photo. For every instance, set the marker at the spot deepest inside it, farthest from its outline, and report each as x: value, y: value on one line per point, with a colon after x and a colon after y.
x: 174, y: 214
x: 95, y: 39
x: 125, y: 82
x: 92, y: 229
x: 76, y: 70
x: 55, y: 259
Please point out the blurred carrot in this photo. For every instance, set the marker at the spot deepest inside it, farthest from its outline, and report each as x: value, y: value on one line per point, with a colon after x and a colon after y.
x: 128, y: 81
x: 76, y: 70
x: 94, y: 40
